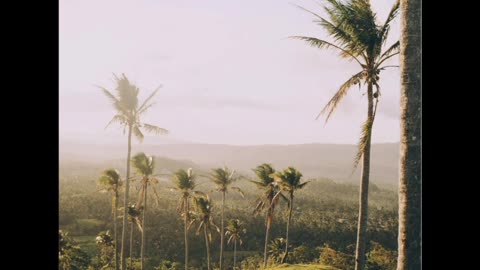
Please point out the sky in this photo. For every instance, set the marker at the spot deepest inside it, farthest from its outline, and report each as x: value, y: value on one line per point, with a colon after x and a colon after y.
x: 228, y: 71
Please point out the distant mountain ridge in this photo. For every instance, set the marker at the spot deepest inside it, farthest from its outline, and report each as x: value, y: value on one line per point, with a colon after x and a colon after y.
x: 334, y: 161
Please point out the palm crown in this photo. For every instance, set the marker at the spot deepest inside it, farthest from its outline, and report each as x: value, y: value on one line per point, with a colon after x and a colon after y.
x: 110, y: 180
x: 289, y: 179
x: 235, y: 230
x: 129, y: 111
x: 356, y: 36
x: 203, y: 209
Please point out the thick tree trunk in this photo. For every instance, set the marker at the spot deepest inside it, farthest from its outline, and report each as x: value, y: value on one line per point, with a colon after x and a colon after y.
x: 207, y: 244
x: 186, y: 232
x: 363, y: 200
x: 144, y: 226
x: 284, y: 259
x: 235, y: 254
x: 410, y: 179
x: 267, y: 236
x: 125, y: 200
x: 222, y: 236
x: 131, y: 245
x: 115, y: 229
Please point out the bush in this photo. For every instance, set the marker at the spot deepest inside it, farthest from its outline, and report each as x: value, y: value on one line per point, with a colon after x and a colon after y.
x: 302, y: 254
x: 380, y: 258
x: 329, y: 256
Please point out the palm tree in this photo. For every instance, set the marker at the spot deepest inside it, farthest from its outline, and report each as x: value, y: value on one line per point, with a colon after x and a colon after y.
x: 289, y: 181
x: 410, y: 184
x: 357, y: 36
x: 235, y: 231
x: 144, y: 166
x: 185, y: 183
x: 275, y: 248
x: 268, y: 200
x: 128, y: 115
x: 110, y: 181
x: 203, y: 210
x: 222, y: 178
x: 134, y: 218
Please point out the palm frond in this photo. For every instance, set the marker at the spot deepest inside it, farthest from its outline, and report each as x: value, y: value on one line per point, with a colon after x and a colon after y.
x: 391, y: 15
x: 393, y: 49
x: 335, y: 100
x: 148, y: 99
x: 237, y: 189
x: 138, y: 133
x: 319, y: 43
x: 154, y: 129
x: 302, y: 185
x: 364, y: 139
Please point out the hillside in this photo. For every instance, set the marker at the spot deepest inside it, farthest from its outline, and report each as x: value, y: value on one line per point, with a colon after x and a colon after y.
x: 314, y: 160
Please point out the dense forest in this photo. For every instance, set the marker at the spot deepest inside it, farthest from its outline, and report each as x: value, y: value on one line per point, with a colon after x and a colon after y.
x: 323, y: 230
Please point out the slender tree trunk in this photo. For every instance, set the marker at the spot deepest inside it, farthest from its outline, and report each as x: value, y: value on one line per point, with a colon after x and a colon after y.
x: 115, y: 229
x: 186, y: 232
x: 363, y: 200
x: 144, y: 226
x: 207, y: 244
x: 284, y: 259
x: 125, y: 200
x: 235, y: 254
x: 267, y: 236
x: 131, y: 245
x: 222, y: 236
x: 410, y: 178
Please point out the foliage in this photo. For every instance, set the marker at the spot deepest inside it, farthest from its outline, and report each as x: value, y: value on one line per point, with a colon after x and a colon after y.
x: 380, y: 258
x: 168, y: 265
x: 325, y: 213
x: 329, y: 256
x: 70, y: 256
x: 303, y: 254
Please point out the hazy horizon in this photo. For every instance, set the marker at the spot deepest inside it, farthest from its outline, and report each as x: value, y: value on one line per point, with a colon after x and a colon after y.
x: 229, y: 74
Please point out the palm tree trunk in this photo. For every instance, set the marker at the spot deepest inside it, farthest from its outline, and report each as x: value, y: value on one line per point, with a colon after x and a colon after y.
x: 267, y: 237
x: 131, y: 245
x: 125, y: 200
x: 186, y: 233
x: 144, y: 226
x: 207, y: 245
x: 222, y: 236
x: 115, y: 229
x: 410, y: 180
x: 288, y: 225
x: 235, y: 254
x: 363, y: 200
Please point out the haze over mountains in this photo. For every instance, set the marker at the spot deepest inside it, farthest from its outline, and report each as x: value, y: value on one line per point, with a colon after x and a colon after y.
x: 314, y: 160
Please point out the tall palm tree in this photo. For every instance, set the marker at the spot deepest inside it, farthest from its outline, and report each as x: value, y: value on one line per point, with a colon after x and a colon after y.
x: 268, y: 200
x: 410, y: 184
x: 111, y: 182
x: 185, y: 183
x: 128, y: 114
x: 144, y: 165
x: 357, y: 36
x: 289, y: 181
x: 223, y: 178
x: 235, y: 231
x: 204, y: 215
x: 134, y: 218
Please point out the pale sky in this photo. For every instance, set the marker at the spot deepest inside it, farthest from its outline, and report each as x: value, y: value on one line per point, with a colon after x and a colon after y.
x: 229, y: 74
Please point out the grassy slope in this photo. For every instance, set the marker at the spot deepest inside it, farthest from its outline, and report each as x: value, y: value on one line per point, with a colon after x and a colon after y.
x: 303, y: 267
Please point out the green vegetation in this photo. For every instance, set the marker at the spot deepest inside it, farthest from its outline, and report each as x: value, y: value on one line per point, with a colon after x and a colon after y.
x: 324, y: 213
x: 303, y: 267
